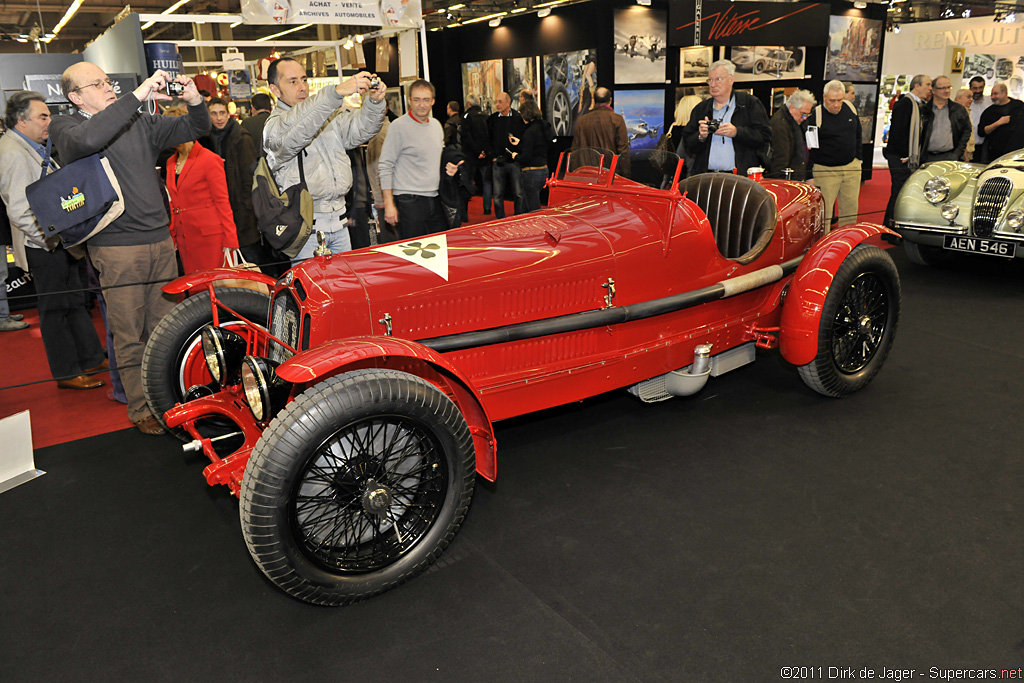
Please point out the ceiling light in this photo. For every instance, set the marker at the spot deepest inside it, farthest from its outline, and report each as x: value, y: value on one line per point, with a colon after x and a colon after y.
x: 170, y: 10
x: 860, y: 4
x: 67, y: 16
x: 278, y: 35
x: 517, y: 10
x: 359, y: 39
x: 486, y: 18
x: 236, y: 24
x: 947, y: 13
x: 494, y: 23
x: 645, y: 3
x: 544, y: 12
x: 348, y: 44
x: 1010, y: 18
x: 455, y: 7
x: 896, y: 28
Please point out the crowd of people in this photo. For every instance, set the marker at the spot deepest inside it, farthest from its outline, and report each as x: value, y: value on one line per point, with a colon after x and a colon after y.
x: 421, y: 173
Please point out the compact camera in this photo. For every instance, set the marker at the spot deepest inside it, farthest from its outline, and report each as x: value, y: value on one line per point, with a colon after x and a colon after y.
x: 713, y: 125
x: 374, y: 83
x: 175, y: 88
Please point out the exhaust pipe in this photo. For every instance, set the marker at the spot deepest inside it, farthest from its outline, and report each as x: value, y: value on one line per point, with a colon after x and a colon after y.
x: 692, y: 378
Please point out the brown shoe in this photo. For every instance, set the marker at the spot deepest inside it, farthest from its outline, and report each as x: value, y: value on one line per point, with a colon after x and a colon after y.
x: 150, y: 425
x: 80, y: 382
x: 102, y: 366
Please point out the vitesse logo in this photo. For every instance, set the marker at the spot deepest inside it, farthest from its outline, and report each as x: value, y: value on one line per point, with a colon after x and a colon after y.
x: 75, y: 201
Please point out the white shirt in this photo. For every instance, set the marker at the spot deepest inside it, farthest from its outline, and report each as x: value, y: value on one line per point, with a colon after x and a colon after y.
x: 976, y: 108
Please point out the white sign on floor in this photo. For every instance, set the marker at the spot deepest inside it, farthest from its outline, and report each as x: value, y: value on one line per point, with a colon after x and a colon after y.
x: 17, y: 461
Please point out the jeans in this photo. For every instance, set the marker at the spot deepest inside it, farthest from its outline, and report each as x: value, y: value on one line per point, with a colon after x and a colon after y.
x: 335, y: 228
x: 533, y: 183
x: 480, y: 173
x: 506, y: 174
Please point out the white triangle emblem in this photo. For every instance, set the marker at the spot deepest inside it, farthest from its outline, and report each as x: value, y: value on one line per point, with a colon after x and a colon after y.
x: 430, y: 252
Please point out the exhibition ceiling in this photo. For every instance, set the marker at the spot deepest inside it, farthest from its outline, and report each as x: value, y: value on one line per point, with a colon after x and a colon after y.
x: 24, y: 21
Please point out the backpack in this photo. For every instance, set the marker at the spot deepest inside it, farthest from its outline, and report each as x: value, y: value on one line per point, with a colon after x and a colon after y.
x: 284, y: 219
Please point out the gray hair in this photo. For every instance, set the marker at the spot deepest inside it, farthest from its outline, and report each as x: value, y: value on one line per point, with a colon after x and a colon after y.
x: 18, y: 104
x: 472, y: 100
x: 833, y: 86
x: 800, y: 98
x: 918, y: 80
x: 729, y: 67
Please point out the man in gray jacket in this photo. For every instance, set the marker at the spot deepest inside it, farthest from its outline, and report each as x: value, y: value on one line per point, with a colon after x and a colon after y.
x: 313, y: 127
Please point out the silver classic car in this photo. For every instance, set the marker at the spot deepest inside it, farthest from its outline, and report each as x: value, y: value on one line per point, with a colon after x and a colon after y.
x: 954, y: 206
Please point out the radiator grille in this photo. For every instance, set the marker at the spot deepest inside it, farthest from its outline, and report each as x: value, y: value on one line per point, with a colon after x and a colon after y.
x: 284, y: 324
x: 989, y: 203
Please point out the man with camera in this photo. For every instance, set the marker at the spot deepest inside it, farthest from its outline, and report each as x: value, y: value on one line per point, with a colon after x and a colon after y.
x: 314, y: 131
x: 728, y: 131
x: 137, y: 247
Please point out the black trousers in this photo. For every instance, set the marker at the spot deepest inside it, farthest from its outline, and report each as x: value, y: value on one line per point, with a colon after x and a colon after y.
x: 899, y: 173
x: 417, y: 215
x: 69, y: 337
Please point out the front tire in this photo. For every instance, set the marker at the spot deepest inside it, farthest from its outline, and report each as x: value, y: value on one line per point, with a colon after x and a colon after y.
x: 560, y: 109
x: 357, y: 486
x: 173, y: 360
x: 924, y: 255
x: 858, y: 324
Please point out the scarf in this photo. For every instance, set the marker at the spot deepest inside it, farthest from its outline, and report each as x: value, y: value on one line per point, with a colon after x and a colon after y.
x: 914, y: 152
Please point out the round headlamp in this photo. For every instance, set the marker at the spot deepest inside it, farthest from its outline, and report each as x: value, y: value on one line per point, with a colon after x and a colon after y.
x: 265, y: 392
x: 936, y: 190
x: 949, y: 211
x: 223, y: 351
x: 1015, y: 219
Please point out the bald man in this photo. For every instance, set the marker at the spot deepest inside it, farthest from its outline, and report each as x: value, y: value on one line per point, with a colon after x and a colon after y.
x: 1002, y: 124
x: 136, y: 247
x: 963, y: 98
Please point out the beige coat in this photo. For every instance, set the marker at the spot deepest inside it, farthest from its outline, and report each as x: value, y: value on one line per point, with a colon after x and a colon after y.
x: 20, y: 166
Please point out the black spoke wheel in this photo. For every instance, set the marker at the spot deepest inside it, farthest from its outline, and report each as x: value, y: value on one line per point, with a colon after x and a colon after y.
x: 858, y: 324
x: 357, y: 486
x: 173, y: 359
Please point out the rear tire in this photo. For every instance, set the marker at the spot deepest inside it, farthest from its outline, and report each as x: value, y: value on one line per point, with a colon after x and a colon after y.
x: 858, y: 324
x: 357, y: 486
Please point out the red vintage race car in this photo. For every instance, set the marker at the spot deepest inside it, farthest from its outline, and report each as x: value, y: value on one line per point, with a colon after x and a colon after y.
x: 352, y: 419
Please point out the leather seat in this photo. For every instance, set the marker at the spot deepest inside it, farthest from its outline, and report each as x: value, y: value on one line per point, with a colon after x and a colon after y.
x: 742, y: 213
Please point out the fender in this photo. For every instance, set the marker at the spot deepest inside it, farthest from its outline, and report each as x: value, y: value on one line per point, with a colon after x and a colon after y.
x: 801, y: 312
x: 205, y: 277
x: 407, y: 356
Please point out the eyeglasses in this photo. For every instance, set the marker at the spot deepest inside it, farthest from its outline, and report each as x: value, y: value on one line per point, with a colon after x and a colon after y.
x: 97, y: 84
x: 944, y: 87
x: 804, y: 115
x: 716, y: 79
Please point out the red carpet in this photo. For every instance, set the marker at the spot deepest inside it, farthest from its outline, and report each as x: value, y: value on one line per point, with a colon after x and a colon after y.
x: 61, y: 415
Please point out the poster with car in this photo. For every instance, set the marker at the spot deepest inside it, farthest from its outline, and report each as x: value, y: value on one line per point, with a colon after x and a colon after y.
x: 485, y: 80
x: 569, y: 82
x: 694, y: 63
x: 640, y: 45
x: 853, y: 49
x: 522, y: 73
x: 767, y: 62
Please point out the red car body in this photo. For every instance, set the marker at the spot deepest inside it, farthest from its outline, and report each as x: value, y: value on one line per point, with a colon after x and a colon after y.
x: 614, y: 284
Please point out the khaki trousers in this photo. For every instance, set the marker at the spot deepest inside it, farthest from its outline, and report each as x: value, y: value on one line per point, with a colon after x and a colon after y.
x: 133, y: 312
x: 842, y: 182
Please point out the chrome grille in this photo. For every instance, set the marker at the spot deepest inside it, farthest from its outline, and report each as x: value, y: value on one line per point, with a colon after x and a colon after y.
x: 989, y: 203
x: 284, y: 324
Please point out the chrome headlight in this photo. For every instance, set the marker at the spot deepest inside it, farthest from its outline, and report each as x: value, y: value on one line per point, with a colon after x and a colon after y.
x: 223, y: 350
x: 936, y: 190
x: 949, y: 211
x: 265, y: 392
x: 1015, y: 219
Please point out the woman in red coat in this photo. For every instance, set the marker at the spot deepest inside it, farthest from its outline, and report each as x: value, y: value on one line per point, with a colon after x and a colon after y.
x: 201, y: 221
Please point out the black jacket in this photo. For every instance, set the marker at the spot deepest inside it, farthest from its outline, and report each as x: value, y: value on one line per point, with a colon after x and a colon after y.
x: 789, y: 147
x: 898, y: 145
x: 238, y: 150
x: 474, y: 134
x: 498, y: 129
x: 1009, y: 136
x: 532, y: 150
x: 753, y: 134
x: 960, y: 122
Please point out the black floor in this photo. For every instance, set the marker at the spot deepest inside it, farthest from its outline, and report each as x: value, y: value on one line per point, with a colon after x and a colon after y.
x: 723, y: 537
